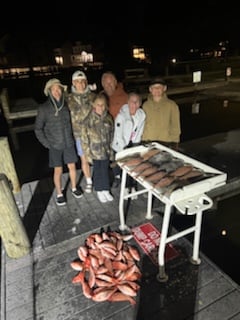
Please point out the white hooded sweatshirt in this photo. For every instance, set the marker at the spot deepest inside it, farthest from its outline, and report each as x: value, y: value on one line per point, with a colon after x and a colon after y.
x: 128, y: 128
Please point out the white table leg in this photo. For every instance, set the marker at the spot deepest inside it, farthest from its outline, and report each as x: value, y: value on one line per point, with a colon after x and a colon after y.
x: 122, y: 225
x: 162, y: 276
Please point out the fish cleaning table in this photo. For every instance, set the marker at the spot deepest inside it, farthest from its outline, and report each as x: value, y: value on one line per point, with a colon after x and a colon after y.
x: 179, y: 181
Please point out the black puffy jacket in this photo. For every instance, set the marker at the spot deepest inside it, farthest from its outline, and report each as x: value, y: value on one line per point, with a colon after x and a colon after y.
x: 54, y: 129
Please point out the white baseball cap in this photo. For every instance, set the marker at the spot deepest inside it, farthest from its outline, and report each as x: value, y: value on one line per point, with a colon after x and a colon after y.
x: 79, y: 75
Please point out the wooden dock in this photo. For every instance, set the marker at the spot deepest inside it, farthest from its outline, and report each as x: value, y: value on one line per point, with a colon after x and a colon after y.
x: 39, y: 285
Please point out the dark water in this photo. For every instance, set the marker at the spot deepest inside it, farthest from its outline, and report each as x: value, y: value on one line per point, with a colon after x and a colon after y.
x: 215, y: 115
x: 33, y: 85
x: 220, y: 238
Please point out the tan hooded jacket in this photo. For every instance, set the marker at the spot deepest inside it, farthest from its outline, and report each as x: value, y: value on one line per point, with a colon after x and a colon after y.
x: 162, y: 120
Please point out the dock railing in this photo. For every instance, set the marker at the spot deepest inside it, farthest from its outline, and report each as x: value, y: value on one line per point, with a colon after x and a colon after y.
x: 16, y: 112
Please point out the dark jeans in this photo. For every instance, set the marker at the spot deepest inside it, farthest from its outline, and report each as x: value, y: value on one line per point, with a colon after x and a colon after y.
x: 101, y: 179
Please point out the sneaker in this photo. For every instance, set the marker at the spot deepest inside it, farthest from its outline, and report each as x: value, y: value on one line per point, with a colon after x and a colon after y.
x: 108, y: 195
x: 77, y: 193
x: 133, y: 190
x: 101, y: 196
x: 60, y: 200
x: 127, y: 192
x: 88, y: 188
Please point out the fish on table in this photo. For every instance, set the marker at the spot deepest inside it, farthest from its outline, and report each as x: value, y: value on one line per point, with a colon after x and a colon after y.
x: 141, y: 167
x: 129, y: 157
x: 132, y: 162
x: 164, y: 182
x: 160, y: 157
x: 189, y: 177
x: 182, y: 170
x: 170, y: 166
x: 150, y: 153
x: 156, y: 177
x: 148, y: 171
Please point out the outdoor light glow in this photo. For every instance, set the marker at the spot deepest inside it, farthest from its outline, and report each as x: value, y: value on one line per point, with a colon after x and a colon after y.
x: 197, y: 75
x: 225, y: 103
x: 59, y: 60
x: 224, y: 232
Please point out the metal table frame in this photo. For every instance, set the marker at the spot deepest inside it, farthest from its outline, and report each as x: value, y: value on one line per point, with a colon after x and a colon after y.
x: 195, y: 204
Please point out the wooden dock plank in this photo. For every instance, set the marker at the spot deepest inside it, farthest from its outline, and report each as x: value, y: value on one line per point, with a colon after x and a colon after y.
x: 224, y: 308
x: 192, y: 292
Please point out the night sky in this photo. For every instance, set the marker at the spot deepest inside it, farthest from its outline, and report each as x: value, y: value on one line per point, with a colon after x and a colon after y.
x: 166, y: 26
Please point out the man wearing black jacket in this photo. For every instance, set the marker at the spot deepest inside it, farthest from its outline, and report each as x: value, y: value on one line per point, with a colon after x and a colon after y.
x: 53, y: 129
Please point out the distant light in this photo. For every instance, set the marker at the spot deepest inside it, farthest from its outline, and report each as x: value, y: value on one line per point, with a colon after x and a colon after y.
x: 174, y: 60
x: 139, y: 53
x: 228, y: 71
x: 197, y: 76
x: 195, y: 107
x: 59, y: 60
x: 224, y: 232
x: 225, y: 103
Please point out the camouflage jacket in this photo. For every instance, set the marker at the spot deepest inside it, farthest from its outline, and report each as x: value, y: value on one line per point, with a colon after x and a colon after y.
x: 80, y: 106
x: 97, y: 137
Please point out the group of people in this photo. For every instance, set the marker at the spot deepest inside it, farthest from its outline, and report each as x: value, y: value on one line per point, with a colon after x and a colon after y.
x: 94, y: 126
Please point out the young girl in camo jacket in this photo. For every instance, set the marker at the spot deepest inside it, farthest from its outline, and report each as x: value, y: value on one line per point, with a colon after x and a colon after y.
x: 96, y: 143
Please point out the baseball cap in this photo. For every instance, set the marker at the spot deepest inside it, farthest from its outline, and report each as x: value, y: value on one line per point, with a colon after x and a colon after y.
x: 158, y: 81
x: 79, y: 75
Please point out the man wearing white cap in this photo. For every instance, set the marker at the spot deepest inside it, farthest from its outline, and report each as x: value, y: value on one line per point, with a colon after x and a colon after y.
x: 80, y: 105
x: 53, y: 129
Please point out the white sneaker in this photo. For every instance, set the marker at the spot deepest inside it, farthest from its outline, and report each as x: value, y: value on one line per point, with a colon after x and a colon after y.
x: 133, y: 190
x: 108, y: 195
x: 88, y: 188
x: 101, y: 196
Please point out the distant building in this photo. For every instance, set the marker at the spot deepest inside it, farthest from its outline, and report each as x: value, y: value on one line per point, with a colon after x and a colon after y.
x: 78, y: 54
x: 42, y: 58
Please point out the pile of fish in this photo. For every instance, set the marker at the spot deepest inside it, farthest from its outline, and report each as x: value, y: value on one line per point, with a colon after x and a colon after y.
x: 107, y: 267
x: 161, y: 169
